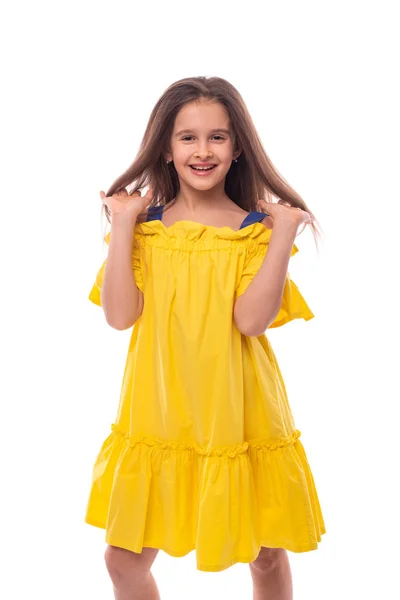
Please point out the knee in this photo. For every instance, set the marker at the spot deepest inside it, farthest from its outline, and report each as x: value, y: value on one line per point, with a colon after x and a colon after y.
x: 267, y: 560
x: 122, y: 564
x: 118, y: 563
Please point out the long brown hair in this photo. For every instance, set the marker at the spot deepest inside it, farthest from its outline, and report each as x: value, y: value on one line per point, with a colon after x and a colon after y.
x: 252, y: 177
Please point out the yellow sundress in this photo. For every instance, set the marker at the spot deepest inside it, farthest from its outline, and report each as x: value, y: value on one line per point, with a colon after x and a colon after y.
x: 203, y: 453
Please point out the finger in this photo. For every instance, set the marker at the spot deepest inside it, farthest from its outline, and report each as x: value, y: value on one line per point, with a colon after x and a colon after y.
x: 308, y: 218
x: 261, y: 203
x: 121, y: 192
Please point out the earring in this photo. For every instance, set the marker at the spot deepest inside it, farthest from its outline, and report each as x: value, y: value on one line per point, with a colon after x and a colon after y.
x: 235, y: 160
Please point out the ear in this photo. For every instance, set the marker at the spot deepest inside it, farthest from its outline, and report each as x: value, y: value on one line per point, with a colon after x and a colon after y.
x: 237, y: 153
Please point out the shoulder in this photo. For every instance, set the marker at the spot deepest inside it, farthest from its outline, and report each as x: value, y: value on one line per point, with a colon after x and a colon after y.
x: 267, y: 221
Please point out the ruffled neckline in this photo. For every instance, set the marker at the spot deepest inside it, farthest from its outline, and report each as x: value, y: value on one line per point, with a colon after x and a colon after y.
x: 195, y: 230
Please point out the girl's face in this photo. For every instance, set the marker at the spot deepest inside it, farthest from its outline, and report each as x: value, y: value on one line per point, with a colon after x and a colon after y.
x: 202, y: 134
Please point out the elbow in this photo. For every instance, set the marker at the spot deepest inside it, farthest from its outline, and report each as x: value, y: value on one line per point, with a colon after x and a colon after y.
x: 123, y: 322
x: 251, y: 330
x: 120, y: 325
x: 119, y: 321
x: 253, y: 325
x: 248, y: 326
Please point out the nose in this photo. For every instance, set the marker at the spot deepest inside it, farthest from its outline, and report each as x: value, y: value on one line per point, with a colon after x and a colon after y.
x: 203, y: 150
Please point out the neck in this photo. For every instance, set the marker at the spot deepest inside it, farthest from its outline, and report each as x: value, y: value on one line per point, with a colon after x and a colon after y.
x: 196, y: 202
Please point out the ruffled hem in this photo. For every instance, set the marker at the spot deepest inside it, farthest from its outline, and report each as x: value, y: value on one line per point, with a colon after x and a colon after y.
x: 227, y: 451
x: 225, y: 503
x: 293, y: 305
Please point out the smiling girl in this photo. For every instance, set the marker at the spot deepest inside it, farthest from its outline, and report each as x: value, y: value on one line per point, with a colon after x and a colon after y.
x: 203, y: 454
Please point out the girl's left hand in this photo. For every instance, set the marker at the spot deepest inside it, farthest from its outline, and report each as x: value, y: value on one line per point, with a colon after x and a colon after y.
x: 283, y: 213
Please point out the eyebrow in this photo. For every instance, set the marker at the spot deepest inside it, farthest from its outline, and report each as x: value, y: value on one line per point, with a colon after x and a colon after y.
x: 221, y: 129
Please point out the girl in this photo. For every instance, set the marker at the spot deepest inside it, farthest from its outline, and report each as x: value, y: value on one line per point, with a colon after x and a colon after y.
x: 204, y: 453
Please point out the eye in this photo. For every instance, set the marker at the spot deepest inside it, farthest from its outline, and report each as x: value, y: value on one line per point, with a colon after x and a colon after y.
x: 215, y: 136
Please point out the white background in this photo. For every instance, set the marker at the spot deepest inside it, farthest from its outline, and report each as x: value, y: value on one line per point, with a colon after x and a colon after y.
x: 79, y: 81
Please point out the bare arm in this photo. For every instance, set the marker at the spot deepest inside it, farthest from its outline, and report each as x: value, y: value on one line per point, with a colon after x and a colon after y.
x: 121, y: 299
x: 258, y: 306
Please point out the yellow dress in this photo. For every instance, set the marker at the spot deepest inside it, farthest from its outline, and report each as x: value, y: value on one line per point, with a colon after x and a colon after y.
x: 203, y: 453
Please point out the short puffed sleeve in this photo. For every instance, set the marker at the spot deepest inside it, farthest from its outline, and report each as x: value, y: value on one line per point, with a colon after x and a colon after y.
x: 293, y: 305
x: 94, y: 295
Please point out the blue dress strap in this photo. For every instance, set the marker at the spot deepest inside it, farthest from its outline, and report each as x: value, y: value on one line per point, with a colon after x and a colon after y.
x: 253, y: 217
x: 154, y: 213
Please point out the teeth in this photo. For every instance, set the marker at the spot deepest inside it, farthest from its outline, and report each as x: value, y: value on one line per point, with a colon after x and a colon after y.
x: 202, y: 168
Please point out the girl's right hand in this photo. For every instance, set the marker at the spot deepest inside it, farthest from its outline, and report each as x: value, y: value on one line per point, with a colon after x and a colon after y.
x: 129, y: 206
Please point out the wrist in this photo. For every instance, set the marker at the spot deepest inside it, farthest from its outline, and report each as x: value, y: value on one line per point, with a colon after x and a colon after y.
x: 285, y: 228
x: 122, y: 221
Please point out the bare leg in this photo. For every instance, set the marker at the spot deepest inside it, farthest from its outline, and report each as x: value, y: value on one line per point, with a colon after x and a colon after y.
x: 130, y: 573
x: 272, y: 578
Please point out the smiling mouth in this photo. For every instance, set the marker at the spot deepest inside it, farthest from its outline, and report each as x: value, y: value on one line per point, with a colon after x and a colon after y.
x: 202, y: 169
